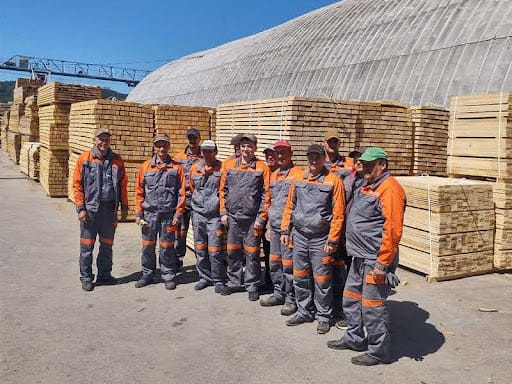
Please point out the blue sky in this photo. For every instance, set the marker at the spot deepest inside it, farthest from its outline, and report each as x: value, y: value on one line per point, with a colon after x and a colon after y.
x: 133, y: 34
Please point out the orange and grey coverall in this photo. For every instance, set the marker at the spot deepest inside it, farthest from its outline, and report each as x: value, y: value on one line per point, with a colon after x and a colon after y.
x: 208, y: 229
x: 341, y: 167
x: 314, y: 214
x: 159, y: 198
x: 373, y: 232
x: 99, y: 186
x: 281, y: 256
x: 244, y: 197
x: 186, y: 159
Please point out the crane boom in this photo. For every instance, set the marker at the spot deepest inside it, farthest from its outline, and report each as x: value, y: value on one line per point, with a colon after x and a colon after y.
x: 74, y: 69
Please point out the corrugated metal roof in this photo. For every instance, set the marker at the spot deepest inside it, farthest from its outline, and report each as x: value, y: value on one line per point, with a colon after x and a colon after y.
x: 413, y: 51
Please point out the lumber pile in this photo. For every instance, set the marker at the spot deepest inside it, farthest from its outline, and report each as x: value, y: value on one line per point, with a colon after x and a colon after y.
x: 4, y: 127
x: 132, y: 130
x: 448, y: 227
x: 503, y: 235
x: 17, y: 111
x: 430, y: 124
x: 29, y: 122
x: 53, y: 126
x: 174, y: 120
x: 29, y: 159
x: 59, y: 93
x: 53, y: 171
x: 14, y: 146
x: 303, y: 121
x: 20, y: 93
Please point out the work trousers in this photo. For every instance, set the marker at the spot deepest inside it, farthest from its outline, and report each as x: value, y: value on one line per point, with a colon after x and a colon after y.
x: 364, y: 305
x: 181, y: 234
x: 159, y: 226
x: 281, y: 268
x: 208, y: 238
x: 101, y: 224
x: 339, y: 276
x: 312, y: 276
x: 243, y: 241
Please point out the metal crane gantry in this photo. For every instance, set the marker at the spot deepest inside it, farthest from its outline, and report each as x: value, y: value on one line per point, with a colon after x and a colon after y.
x: 42, y: 68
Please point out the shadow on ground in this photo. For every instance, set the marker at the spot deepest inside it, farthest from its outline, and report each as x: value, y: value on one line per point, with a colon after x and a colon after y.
x: 412, y: 336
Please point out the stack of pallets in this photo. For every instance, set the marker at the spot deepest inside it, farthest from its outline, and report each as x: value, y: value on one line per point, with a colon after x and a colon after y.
x: 54, y: 101
x: 448, y: 227
x: 430, y: 139
x: 480, y: 146
x: 174, y: 120
x: 132, y: 127
x: 304, y: 121
x: 29, y: 160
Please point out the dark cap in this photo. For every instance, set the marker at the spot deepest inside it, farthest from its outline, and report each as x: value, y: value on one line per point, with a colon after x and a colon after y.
x: 357, y: 152
x: 235, y: 140
x: 250, y: 137
x: 161, y: 137
x: 315, y: 148
x: 193, y: 132
x: 102, y: 131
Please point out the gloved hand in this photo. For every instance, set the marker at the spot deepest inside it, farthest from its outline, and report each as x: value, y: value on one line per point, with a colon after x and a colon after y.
x: 392, y: 280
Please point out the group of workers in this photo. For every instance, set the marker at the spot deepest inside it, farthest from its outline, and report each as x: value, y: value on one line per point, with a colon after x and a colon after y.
x: 331, y: 231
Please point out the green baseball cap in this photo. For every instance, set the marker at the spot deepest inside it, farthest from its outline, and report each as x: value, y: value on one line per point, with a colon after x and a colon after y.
x: 373, y: 153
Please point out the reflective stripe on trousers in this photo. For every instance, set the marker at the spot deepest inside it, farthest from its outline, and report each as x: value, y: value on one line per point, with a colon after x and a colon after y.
x: 181, y: 234
x: 364, y: 305
x: 102, y: 224
x: 157, y: 227
x: 208, y: 238
x: 312, y: 277
x: 243, y: 242
x: 281, y: 268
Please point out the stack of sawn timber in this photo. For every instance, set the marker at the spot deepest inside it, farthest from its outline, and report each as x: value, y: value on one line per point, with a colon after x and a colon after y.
x: 430, y: 139
x: 448, y: 227
x: 4, y: 114
x: 132, y: 128
x: 54, y: 101
x: 174, y: 120
x: 480, y: 146
x: 304, y: 121
x: 29, y: 159
x: 29, y: 122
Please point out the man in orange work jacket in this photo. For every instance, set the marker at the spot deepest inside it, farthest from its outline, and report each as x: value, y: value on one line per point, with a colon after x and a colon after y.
x: 244, y: 200
x: 159, y: 201
x: 374, y: 229
x: 99, y: 186
x: 313, y: 217
x: 187, y: 158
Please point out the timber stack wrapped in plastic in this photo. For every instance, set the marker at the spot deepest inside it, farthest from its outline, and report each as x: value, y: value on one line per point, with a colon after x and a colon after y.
x: 132, y: 127
x: 448, y: 227
x: 480, y: 146
x: 54, y: 101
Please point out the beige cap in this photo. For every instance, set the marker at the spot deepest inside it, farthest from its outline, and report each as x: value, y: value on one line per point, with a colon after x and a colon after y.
x: 161, y: 137
x: 331, y: 133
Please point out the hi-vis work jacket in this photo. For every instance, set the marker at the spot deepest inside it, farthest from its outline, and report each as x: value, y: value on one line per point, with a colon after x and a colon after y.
x: 204, y: 186
x: 280, y: 182
x: 160, y: 188
x: 375, y: 221
x: 341, y: 167
x: 186, y: 159
x: 315, y: 206
x: 88, y: 180
x: 244, y: 190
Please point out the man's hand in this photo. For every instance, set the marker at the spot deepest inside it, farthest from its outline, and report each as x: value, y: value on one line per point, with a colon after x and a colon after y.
x: 284, y: 239
x: 124, y: 214
x: 225, y: 220
x: 83, y: 216
x: 329, y: 249
x: 267, y: 234
x: 175, y: 222
x: 258, y: 225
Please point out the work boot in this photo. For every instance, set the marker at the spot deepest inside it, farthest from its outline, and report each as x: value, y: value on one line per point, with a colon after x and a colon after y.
x: 342, y: 324
x: 366, y: 360
x: 142, y: 283
x: 271, y: 300
x: 106, y: 280
x: 323, y: 327
x: 340, y: 345
x: 254, y: 295
x: 219, y: 287
x: 201, y: 284
x: 170, y: 285
x: 87, y: 285
x: 298, y: 319
x: 288, y: 309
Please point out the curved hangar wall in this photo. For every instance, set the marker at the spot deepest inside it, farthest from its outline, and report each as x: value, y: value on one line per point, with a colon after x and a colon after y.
x: 414, y: 51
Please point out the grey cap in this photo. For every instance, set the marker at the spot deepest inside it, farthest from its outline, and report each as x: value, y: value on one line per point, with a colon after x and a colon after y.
x: 102, y: 131
x: 250, y: 137
x: 209, y: 145
x: 235, y: 140
x: 193, y: 132
x: 269, y: 147
x: 161, y: 137
x: 315, y: 148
